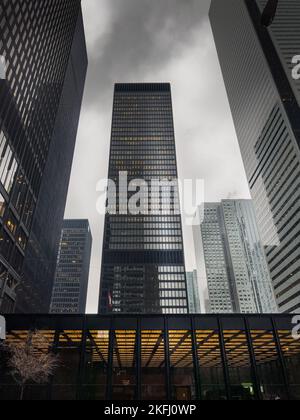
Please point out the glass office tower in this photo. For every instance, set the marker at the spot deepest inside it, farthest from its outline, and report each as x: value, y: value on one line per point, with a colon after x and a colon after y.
x: 229, y: 248
x: 44, y: 50
x: 143, y: 268
x: 264, y: 98
x: 73, y: 268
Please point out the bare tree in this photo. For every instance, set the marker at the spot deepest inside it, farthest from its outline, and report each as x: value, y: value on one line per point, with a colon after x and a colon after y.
x: 31, y: 360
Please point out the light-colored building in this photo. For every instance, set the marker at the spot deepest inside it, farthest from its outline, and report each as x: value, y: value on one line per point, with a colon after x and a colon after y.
x: 193, y: 292
x: 232, y: 261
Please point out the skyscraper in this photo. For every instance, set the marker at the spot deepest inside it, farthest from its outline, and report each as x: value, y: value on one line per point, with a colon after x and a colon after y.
x: 143, y: 268
x: 264, y: 95
x: 73, y: 267
x: 193, y: 292
x: 44, y: 50
x: 228, y: 245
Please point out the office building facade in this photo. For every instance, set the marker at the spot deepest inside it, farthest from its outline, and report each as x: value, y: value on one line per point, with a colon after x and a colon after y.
x: 44, y: 50
x: 161, y: 358
x: 143, y: 268
x: 230, y: 249
x: 193, y: 292
x: 263, y: 92
x: 73, y: 267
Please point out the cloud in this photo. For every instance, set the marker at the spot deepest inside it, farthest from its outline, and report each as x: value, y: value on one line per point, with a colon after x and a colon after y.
x: 97, y: 25
x: 138, y: 38
x: 154, y: 40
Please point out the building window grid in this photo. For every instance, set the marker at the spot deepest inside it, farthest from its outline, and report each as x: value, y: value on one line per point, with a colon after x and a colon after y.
x: 25, y: 168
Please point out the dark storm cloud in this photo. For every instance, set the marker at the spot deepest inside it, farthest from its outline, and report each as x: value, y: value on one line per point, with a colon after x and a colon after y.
x: 144, y: 41
x: 144, y: 35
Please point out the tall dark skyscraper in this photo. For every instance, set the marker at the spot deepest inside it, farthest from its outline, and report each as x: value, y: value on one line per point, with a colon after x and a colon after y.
x: 44, y: 49
x: 73, y: 267
x: 143, y: 268
x: 264, y: 94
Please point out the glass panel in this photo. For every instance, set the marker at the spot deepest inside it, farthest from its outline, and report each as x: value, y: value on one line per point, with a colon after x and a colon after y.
x: 11, y: 223
x: 211, y: 365
x: 66, y: 376
x: 291, y: 352
x: 239, y: 365
x: 19, y: 192
x: 96, y: 365
x: 124, y: 366
x: 153, y: 365
x: 29, y: 206
x: 182, y: 366
x: 269, y: 369
x: 8, y: 164
x: 6, y: 245
x: 2, y: 205
x: 22, y: 239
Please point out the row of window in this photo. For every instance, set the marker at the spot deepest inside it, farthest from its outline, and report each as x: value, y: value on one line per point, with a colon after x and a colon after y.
x: 149, y: 247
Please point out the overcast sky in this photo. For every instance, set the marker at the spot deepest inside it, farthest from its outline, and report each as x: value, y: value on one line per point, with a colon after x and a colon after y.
x: 154, y: 41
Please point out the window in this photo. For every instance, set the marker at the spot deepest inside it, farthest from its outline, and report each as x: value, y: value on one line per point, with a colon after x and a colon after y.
x: 267, y: 360
x: 238, y: 360
x: 2, y: 205
x: 291, y: 353
x: 8, y: 164
x: 153, y: 365
x: 124, y: 365
x: 66, y: 376
x: 96, y: 365
x: 182, y: 366
x: 11, y: 223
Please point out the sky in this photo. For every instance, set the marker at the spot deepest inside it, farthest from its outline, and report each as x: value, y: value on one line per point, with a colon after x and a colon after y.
x: 154, y: 41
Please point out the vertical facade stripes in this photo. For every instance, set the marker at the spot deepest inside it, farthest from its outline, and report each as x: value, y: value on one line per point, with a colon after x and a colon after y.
x: 34, y: 292
x: 36, y: 42
x: 143, y: 267
x: 237, y: 274
x: 73, y: 267
x: 210, y: 252
x: 285, y: 34
x: 265, y: 106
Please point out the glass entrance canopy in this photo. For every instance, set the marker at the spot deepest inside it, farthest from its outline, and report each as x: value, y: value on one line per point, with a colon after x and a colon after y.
x: 179, y: 358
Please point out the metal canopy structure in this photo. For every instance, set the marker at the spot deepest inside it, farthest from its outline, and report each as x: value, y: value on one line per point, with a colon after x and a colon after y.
x: 183, y: 358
